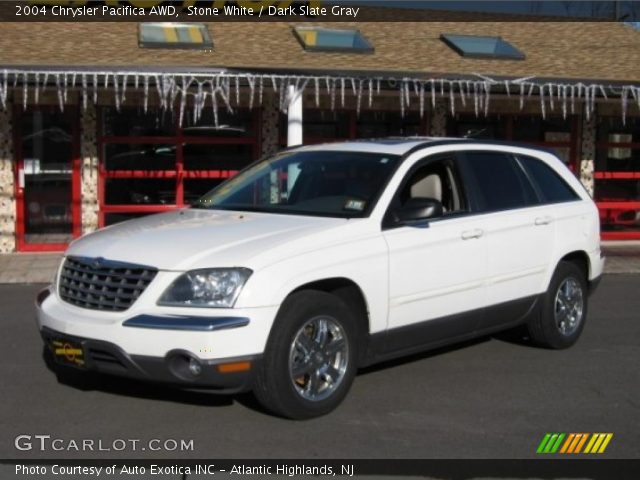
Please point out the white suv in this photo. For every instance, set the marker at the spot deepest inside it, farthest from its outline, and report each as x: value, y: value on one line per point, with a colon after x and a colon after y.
x: 322, y: 259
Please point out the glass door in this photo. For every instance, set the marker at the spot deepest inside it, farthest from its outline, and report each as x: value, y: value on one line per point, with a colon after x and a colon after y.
x: 48, y: 179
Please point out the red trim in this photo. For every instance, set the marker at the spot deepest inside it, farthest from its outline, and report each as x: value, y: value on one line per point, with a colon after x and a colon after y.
x: 620, y: 235
x: 619, y: 205
x: 616, y: 175
x: 76, y: 195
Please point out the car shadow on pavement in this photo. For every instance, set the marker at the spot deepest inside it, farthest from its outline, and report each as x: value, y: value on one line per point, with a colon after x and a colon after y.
x: 517, y: 335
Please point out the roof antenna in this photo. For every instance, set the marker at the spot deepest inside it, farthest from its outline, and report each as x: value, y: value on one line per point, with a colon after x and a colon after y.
x: 474, y: 133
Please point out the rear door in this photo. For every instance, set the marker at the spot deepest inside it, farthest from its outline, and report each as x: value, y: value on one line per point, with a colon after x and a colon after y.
x: 519, y: 233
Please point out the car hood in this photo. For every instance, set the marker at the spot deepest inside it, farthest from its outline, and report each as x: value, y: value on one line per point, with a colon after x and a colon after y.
x: 195, y: 238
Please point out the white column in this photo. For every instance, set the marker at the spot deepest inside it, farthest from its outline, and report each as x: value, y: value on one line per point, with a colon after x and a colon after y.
x: 294, y: 116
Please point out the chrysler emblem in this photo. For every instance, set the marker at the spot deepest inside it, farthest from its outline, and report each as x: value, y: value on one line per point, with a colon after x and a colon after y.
x: 97, y: 263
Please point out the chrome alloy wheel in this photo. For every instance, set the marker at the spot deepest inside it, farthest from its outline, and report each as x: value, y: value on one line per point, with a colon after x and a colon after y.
x: 318, y: 358
x: 569, y: 306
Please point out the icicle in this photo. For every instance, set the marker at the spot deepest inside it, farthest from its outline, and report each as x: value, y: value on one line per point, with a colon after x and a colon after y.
x: 274, y: 83
x: 442, y: 87
x: 261, y: 90
x: 183, y: 100
x: 59, y: 91
x: 416, y: 88
x: 342, y: 91
x: 252, y: 90
x: 551, y: 96
x: 115, y: 92
x: 359, y: 97
x: 317, y: 91
x: 407, y: 94
x: 4, y: 88
x: 433, y: 93
x: 572, y: 99
x: 237, y: 84
x: 199, y: 103
x: 421, y: 100
x: 463, y: 94
x: 146, y: 92
x: 625, y: 99
x: 45, y: 81
x: 521, y: 96
x: 506, y: 87
x: 475, y: 98
x: 64, y: 87
x: 224, y: 92
x: 378, y: 86
x: 95, y: 88
x: 370, y: 92
x: 136, y: 81
x: 452, y: 99
x: 402, y: 99
x: 564, y: 102
x: 214, y: 101
x: 542, y: 102
x: 604, y: 93
x: 333, y: 95
x: 487, y: 97
x: 125, y: 80
x: 25, y: 93
x: 353, y: 86
x: 84, y: 92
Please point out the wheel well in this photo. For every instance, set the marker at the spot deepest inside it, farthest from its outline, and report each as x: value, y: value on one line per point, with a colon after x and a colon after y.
x: 351, y: 294
x: 581, y: 259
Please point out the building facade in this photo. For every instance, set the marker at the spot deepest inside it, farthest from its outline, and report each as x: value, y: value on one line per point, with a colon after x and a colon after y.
x: 89, y: 138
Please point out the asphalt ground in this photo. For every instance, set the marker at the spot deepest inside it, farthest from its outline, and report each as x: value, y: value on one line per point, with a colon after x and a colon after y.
x: 491, y: 398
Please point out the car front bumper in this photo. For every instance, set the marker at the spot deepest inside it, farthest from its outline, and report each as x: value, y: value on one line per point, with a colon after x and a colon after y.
x: 186, y: 349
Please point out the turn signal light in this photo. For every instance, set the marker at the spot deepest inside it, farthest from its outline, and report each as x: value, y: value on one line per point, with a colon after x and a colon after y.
x: 234, y: 367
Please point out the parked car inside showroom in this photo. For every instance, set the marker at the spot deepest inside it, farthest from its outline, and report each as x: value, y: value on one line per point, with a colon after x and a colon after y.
x: 322, y: 259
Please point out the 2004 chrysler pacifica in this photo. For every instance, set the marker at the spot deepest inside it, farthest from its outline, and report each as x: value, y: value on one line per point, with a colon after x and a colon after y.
x: 319, y: 260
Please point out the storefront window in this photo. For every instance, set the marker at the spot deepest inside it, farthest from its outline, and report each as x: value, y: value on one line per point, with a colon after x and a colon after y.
x: 151, y: 164
x: 45, y: 153
x: 617, y: 176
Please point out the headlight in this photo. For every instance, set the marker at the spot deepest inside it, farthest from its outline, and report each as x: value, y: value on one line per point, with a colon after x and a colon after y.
x: 209, y: 287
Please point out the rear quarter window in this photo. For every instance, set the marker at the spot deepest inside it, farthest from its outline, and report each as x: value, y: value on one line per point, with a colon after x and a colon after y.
x: 551, y: 186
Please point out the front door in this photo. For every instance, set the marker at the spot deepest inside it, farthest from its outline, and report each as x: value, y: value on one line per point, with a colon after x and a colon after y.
x: 436, y: 269
x: 47, y: 179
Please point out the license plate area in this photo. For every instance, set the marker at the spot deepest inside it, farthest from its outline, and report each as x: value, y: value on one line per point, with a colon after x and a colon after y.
x: 67, y: 352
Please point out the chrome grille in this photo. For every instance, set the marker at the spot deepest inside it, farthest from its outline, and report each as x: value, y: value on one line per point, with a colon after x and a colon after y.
x: 101, y: 284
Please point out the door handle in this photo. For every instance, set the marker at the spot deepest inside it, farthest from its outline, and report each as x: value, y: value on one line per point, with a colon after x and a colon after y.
x: 469, y: 234
x: 543, y: 220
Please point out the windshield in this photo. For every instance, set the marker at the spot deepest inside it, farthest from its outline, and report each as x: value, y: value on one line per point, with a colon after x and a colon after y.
x: 324, y: 183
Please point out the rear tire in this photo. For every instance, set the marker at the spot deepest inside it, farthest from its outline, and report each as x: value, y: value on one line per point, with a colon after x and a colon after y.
x: 310, y: 358
x: 561, y: 315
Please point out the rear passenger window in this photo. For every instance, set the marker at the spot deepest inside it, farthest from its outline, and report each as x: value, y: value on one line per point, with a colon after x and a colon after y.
x: 501, y: 182
x: 552, y: 187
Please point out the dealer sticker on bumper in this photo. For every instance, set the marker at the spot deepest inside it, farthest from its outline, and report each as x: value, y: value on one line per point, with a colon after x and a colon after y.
x: 68, y: 352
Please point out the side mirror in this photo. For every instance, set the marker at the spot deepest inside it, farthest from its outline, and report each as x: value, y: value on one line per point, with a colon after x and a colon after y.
x: 419, y: 208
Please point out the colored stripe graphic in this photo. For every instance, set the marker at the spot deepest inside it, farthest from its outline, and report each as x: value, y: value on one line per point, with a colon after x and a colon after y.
x: 573, y: 443
x: 550, y: 443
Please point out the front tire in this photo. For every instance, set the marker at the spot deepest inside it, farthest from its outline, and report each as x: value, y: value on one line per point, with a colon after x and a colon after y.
x: 310, y: 358
x: 562, y: 313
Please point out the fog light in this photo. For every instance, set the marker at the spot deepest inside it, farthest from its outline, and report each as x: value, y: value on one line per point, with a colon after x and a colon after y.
x: 194, y: 367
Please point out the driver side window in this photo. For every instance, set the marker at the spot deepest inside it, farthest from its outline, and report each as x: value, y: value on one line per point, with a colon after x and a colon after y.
x: 438, y: 180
